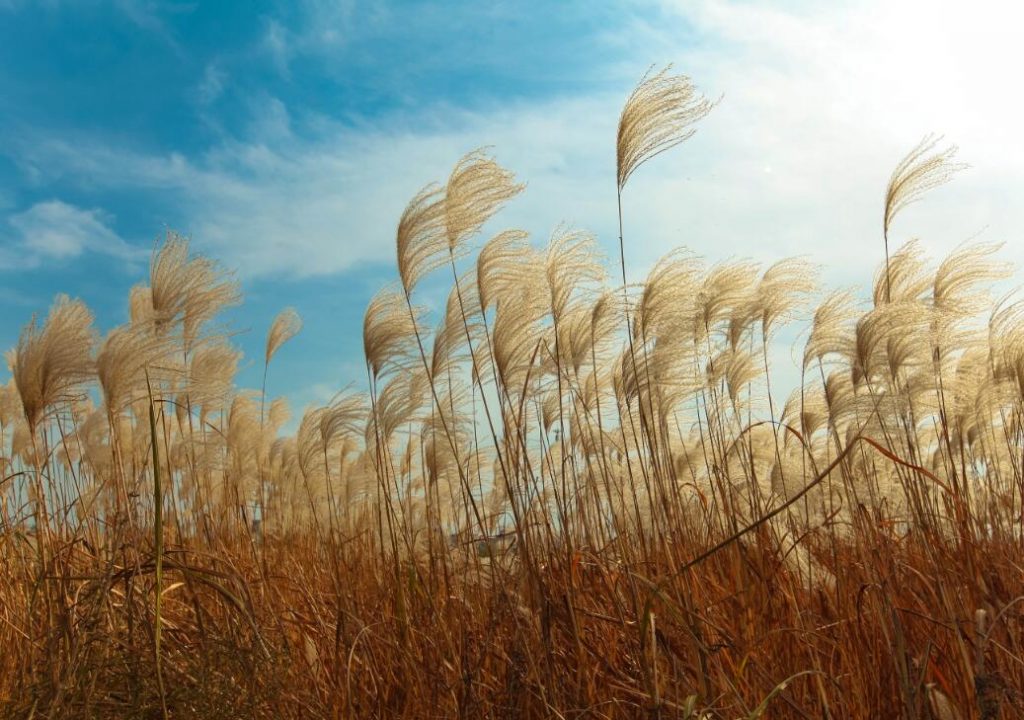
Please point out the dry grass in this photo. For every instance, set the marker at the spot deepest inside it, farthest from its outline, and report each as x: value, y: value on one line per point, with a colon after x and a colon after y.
x: 558, y: 498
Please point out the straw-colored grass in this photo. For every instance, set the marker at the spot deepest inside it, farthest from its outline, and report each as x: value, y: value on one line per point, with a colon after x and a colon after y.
x: 558, y: 497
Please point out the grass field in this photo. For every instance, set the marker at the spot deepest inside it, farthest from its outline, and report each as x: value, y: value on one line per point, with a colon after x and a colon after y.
x: 560, y: 495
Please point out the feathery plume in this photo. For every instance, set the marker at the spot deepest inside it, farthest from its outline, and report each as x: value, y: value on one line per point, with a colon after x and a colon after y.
x: 504, y: 263
x: 668, y: 296
x: 285, y: 326
x: 53, y: 362
x: 125, y: 355
x: 905, y: 278
x: 397, y: 404
x: 725, y: 287
x: 657, y: 116
x: 918, y: 172
x: 958, y: 289
x: 243, y: 433
x: 806, y: 411
x: 10, y: 403
x: 342, y: 417
x: 832, y: 327
x: 571, y: 263
x: 421, y: 236
x: 388, y: 332
x: 185, y: 290
x: 462, y: 314
x: 140, y: 305
x: 516, y: 336
x: 211, y: 373
x: 783, y: 289
x: 477, y: 188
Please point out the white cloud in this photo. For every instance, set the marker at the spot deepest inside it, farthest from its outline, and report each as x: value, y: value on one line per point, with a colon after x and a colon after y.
x: 320, y: 26
x: 286, y: 206
x: 829, y: 97
x: 276, y: 43
x: 211, y: 87
x: 55, y: 230
x: 271, y: 122
x: 145, y: 14
x: 819, y: 104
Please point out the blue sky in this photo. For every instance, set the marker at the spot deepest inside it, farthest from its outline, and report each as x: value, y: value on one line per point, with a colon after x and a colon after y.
x: 285, y: 138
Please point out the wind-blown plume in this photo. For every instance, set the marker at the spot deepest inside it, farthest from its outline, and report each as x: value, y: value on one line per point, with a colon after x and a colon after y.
x: 517, y: 335
x: 570, y: 264
x: 309, y: 443
x: 668, y: 296
x: 189, y: 291
x: 783, y: 289
x: 285, y: 326
x: 140, y: 305
x: 725, y: 286
x: 806, y: 411
x: 10, y: 404
x: 961, y: 289
x: 918, y: 172
x: 388, y: 332
x: 51, y: 363
x: 462, y: 316
x: 504, y: 263
x: 276, y: 416
x: 125, y: 355
x: 397, y: 404
x: 421, y: 236
x: 477, y: 188
x: 832, y: 327
x: 906, y: 278
x: 888, y: 339
x: 343, y: 417
x: 584, y: 330
x: 657, y: 116
x: 211, y: 373
x: 243, y: 431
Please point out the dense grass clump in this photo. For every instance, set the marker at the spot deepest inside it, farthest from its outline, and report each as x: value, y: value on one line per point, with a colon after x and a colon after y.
x: 559, y: 497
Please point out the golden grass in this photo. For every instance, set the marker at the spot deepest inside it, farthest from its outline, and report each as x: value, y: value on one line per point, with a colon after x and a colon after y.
x: 557, y: 498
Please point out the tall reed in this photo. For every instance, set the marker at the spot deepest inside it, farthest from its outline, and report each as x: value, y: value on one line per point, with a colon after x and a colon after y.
x: 559, y: 495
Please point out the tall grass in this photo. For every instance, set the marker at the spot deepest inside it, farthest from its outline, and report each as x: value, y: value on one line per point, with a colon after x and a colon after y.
x: 560, y: 496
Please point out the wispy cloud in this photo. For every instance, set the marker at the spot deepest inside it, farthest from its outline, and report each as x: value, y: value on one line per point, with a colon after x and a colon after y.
x: 279, y: 204
x: 212, y: 84
x: 309, y: 167
x: 818, y: 105
x: 318, y: 27
x: 55, y: 230
x: 145, y: 14
x: 277, y: 44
